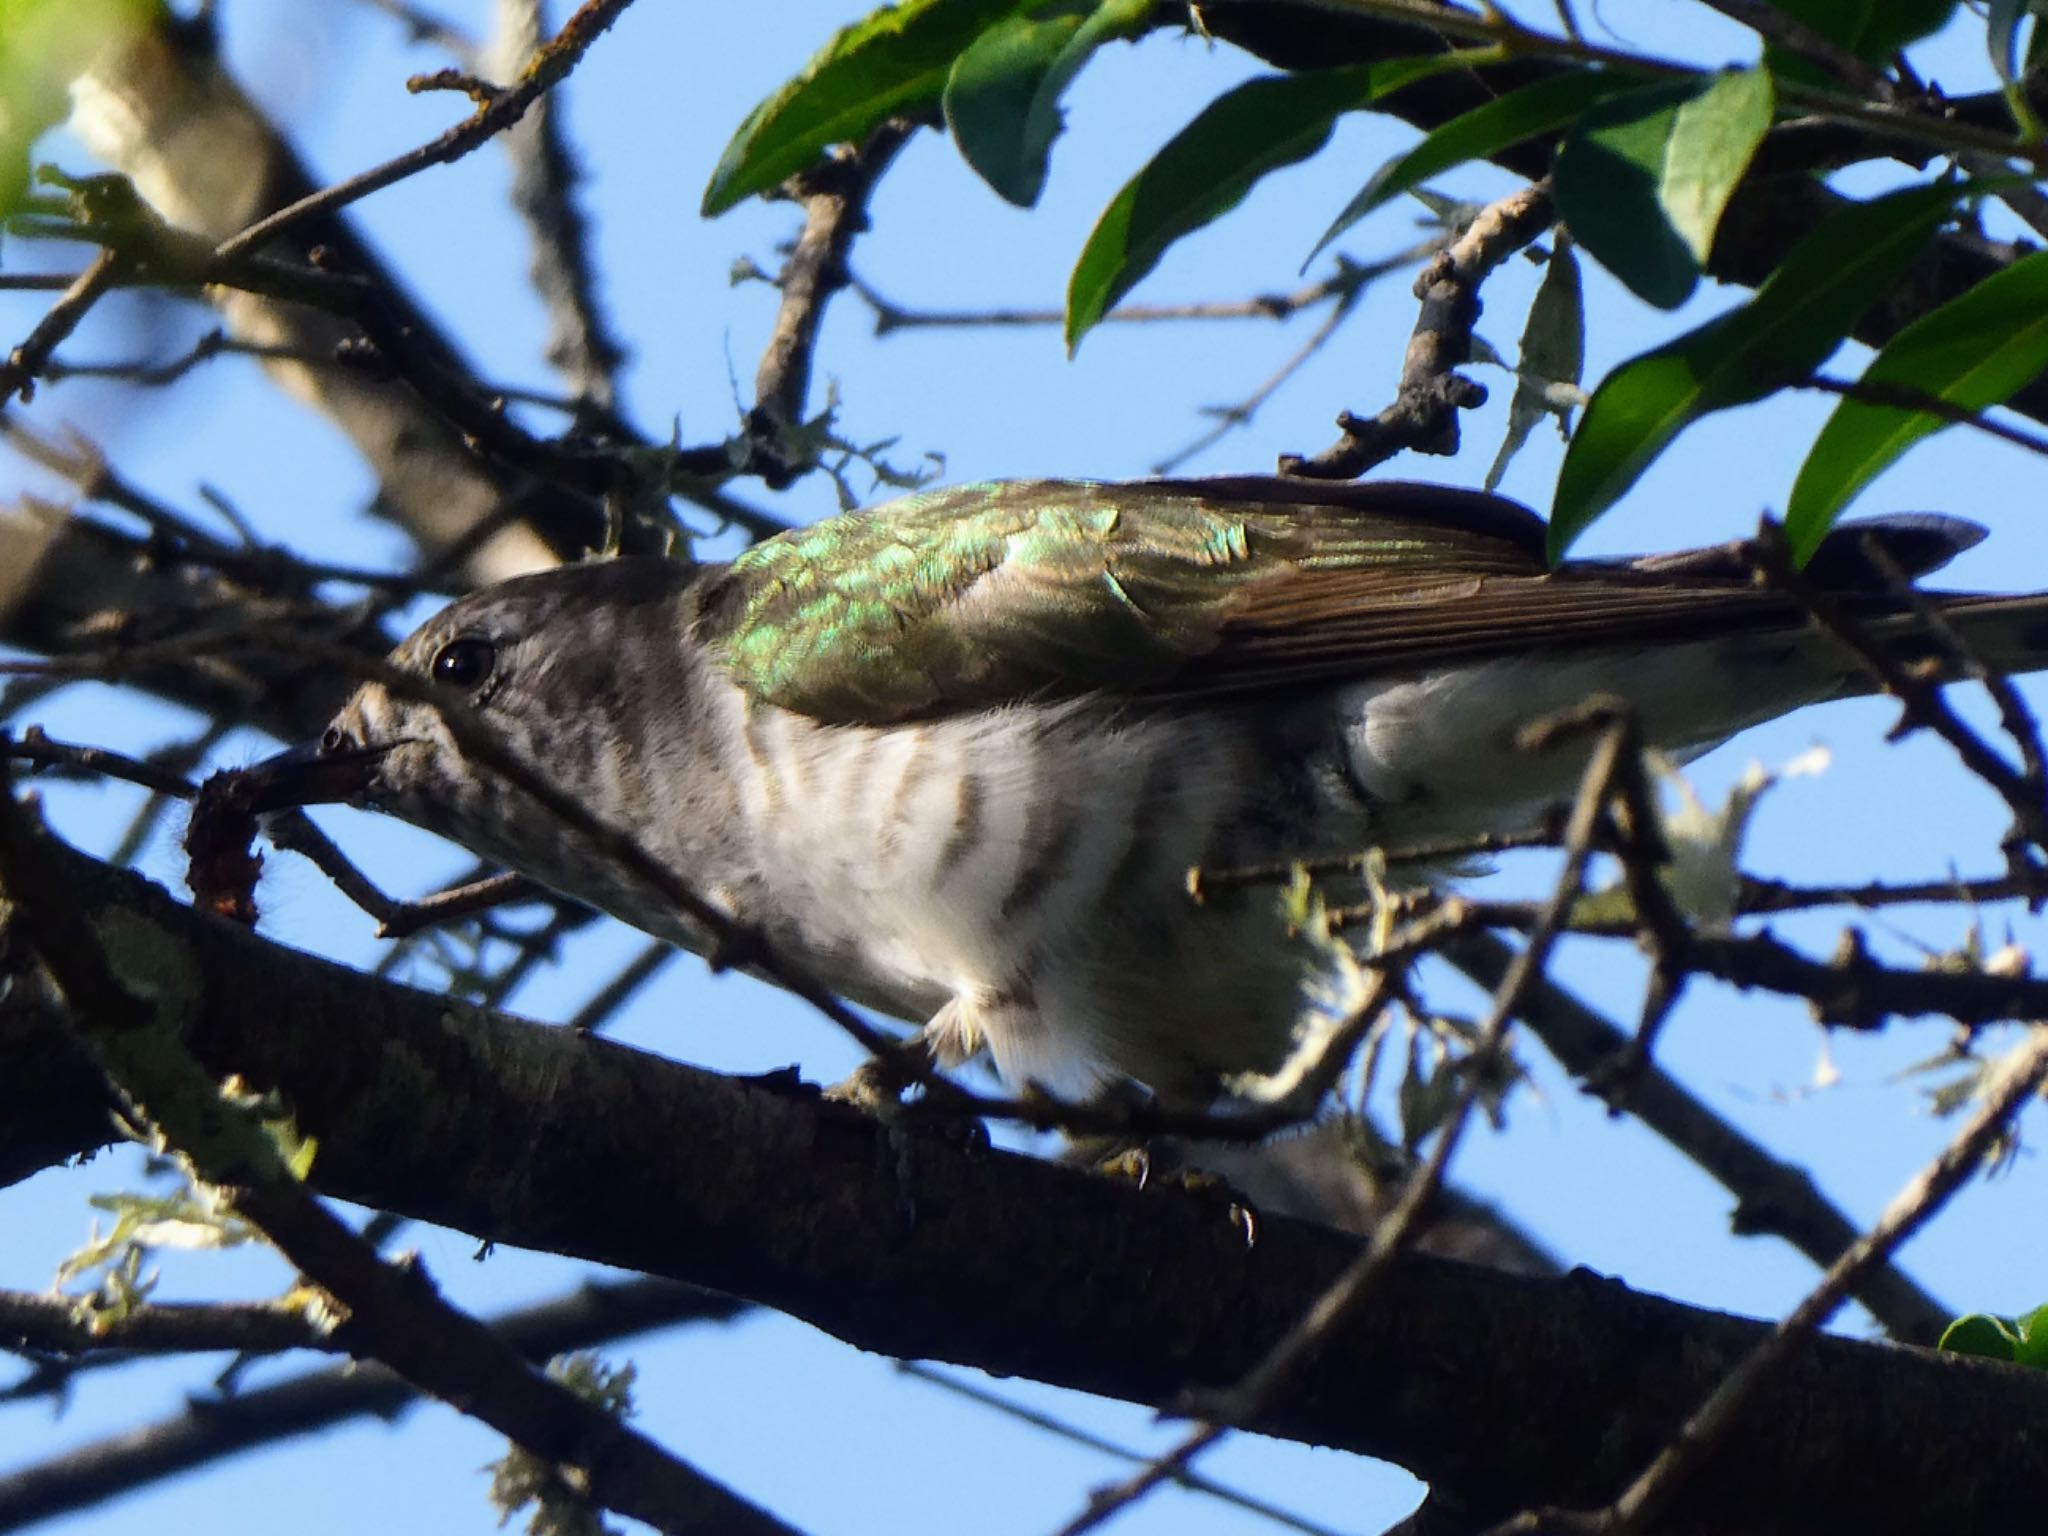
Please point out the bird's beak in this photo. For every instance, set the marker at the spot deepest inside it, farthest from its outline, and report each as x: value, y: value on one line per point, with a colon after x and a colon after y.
x: 309, y: 776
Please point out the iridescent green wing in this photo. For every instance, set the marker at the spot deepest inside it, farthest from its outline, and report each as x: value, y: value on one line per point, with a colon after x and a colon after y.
x: 979, y: 594
x: 974, y: 596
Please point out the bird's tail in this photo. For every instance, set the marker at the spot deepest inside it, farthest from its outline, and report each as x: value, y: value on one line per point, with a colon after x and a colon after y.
x: 2005, y: 633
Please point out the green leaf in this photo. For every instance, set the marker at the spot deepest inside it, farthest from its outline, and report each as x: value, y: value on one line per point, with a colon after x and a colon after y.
x: 1641, y: 179
x: 1975, y: 352
x: 1786, y: 330
x: 2032, y: 1348
x: 1525, y: 113
x: 1712, y: 141
x: 1873, y: 30
x: 2002, y: 37
x: 1002, y: 97
x: 1206, y: 169
x: 44, y: 46
x: 894, y: 60
x: 1553, y: 357
x: 1981, y: 1334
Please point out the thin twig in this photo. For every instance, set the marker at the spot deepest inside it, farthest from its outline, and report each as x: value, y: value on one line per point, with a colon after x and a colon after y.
x: 834, y: 195
x: 48, y: 1324
x: 1795, y: 36
x: 580, y: 344
x: 542, y: 73
x: 18, y: 372
x: 1921, y: 701
x: 1906, y: 397
x: 1771, y: 1196
x: 1194, y: 1482
x: 41, y: 751
x: 212, y: 1428
x: 612, y: 996
x: 296, y: 831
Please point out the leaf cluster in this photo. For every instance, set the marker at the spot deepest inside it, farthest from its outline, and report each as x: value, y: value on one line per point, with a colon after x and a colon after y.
x: 1645, y: 157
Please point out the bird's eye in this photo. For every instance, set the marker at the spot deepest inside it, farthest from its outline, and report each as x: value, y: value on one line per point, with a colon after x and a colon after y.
x: 464, y: 663
x: 331, y: 741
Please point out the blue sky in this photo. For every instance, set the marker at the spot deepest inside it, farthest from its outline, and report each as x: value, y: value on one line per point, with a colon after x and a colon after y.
x: 829, y: 1438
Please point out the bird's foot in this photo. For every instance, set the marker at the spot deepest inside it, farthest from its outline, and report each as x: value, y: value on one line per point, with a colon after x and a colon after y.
x: 1158, y: 1164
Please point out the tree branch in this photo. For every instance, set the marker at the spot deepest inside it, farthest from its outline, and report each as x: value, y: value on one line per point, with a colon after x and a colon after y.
x: 1513, y: 1390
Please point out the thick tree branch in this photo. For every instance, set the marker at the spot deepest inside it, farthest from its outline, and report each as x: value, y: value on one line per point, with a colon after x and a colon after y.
x: 1514, y: 1391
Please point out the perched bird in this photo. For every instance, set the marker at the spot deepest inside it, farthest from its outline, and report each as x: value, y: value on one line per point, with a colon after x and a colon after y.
x: 955, y: 756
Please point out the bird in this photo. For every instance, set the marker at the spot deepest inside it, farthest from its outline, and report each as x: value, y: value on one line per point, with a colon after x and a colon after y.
x: 955, y: 756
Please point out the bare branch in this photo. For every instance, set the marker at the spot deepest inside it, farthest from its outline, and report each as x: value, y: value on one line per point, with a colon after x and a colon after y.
x: 544, y: 176
x: 834, y: 196
x: 1424, y: 415
x: 548, y: 66
x: 213, y: 1428
x: 17, y: 374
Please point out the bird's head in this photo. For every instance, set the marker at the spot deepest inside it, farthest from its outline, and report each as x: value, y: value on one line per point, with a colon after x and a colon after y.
x: 536, y: 678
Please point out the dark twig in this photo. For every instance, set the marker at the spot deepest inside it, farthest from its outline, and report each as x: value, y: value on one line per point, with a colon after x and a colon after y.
x: 1345, y: 282
x: 580, y: 345
x: 395, y: 919
x: 834, y: 196
x: 2015, y: 718
x: 1239, y: 413
x: 1191, y: 1480
x: 1853, y: 991
x: 1548, y: 833
x: 1921, y: 702
x: 1905, y: 397
x: 1424, y: 415
x: 43, y: 752
x: 18, y: 372
x: 1771, y: 1196
x: 46, y: 1324
x: 218, y: 343
x: 421, y: 27
x: 213, y: 1428
x: 542, y: 73
x: 1760, y: 896
x: 1795, y: 36
x: 1660, y: 926
x: 176, y: 537
x: 403, y: 919
x: 178, y: 760
x: 608, y: 999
